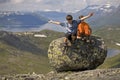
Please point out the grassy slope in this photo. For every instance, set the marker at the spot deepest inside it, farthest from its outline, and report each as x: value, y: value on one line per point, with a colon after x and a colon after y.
x: 13, y: 60
x: 110, y: 36
x: 113, y: 62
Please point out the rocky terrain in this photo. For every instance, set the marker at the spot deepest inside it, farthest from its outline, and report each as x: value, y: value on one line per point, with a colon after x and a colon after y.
x: 98, y: 74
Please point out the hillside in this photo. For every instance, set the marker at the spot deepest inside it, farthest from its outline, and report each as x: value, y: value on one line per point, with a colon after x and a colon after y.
x: 103, y: 15
x: 111, y: 35
x: 23, y: 53
x: 113, y: 62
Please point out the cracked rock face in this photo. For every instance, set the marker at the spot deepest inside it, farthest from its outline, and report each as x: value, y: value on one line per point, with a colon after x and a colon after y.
x: 79, y: 56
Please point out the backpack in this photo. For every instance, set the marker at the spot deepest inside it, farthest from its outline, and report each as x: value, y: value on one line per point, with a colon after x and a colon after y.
x: 83, y: 30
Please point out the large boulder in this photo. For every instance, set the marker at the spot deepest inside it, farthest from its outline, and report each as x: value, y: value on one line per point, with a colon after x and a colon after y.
x: 79, y: 56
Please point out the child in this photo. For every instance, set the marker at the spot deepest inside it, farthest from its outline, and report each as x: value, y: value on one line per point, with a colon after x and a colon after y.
x: 84, y: 31
x: 71, y: 27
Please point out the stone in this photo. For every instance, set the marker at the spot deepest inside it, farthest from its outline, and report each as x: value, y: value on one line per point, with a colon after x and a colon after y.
x: 81, y: 55
x: 104, y: 74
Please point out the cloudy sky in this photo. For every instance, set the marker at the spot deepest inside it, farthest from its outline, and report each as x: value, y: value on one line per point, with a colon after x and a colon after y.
x: 58, y: 5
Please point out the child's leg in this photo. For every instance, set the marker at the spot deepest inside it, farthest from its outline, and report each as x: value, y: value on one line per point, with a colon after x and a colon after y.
x: 67, y: 37
x: 73, y: 36
x: 65, y: 40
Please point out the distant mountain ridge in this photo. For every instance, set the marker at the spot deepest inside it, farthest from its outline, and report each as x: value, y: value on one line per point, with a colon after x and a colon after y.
x: 103, y: 15
x: 110, y: 34
x: 12, y: 19
x: 53, y: 15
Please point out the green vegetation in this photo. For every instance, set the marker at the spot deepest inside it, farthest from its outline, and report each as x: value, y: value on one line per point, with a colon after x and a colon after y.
x: 112, y: 62
x: 15, y: 61
x: 111, y: 36
x: 21, y: 52
x: 24, y: 53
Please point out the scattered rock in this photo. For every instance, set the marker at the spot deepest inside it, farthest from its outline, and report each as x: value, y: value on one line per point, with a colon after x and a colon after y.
x: 98, y: 74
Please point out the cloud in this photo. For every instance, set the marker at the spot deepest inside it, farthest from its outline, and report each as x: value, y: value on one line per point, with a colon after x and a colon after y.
x: 17, y: 1
x: 63, y: 5
x: 38, y: 0
x: 4, y: 1
x: 102, y: 2
x: 57, y: 2
x: 10, y: 1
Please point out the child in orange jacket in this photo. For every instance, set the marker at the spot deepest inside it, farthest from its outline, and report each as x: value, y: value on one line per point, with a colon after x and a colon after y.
x: 84, y: 30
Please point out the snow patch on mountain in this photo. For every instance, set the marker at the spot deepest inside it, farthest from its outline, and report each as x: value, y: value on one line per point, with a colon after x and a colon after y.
x: 108, y: 5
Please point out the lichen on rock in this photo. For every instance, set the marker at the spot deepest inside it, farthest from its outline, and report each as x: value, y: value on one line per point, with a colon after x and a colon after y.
x: 79, y: 56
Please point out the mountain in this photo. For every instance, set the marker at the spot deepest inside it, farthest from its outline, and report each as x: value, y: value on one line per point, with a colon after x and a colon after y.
x: 16, y: 19
x: 53, y: 15
x: 103, y: 15
x: 23, y: 52
x: 97, y: 9
x: 110, y: 35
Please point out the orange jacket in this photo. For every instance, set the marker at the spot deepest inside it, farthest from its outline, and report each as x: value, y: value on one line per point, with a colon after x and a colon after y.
x: 84, y: 28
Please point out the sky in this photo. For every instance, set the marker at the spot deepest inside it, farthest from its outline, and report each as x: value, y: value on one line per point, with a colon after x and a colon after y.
x: 55, y: 5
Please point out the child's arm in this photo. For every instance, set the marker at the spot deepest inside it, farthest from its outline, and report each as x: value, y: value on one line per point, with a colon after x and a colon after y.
x: 54, y: 22
x: 85, y: 17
